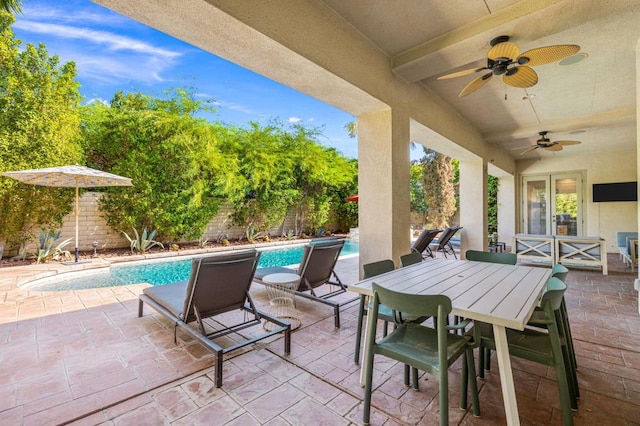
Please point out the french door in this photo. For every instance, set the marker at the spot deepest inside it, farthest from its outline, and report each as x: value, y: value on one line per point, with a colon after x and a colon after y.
x: 552, y: 204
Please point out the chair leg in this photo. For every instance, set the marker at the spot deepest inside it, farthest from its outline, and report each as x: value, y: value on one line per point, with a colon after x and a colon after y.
x: 487, y: 359
x: 218, y: 377
x: 444, y: 397
x: 336, y: 310
x: 475, y: 400
x: 561, y: 375
x: 481, y: 362
x: 407, y: 381
x: 361, y: 313
x: 416, y: 384
x: 366, y: 409
x: 464, y: 383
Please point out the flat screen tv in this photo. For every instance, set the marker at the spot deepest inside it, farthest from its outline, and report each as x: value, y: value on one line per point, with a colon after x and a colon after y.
x: 619, y: 191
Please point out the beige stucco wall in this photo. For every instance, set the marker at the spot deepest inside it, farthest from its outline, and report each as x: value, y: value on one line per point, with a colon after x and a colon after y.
x: 601, y: 219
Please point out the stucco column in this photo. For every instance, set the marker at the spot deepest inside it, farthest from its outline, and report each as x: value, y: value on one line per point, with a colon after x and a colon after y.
x: 506, y: 209
x: 637, y: 281
x: 383, y: 185
x: 473, y: 204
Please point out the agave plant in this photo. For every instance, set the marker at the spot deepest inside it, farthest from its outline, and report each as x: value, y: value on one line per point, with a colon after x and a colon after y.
x: 252, y: 235
x: 142, y: 243
x: 289, y: 235
x: 46, y: 251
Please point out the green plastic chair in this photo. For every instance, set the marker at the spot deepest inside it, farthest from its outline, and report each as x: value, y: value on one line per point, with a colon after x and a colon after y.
x: 384, y: 313
x: 410, y: 259
x: 560, y: 272
x: 483, y: 256
x: 433, y: 350
x: 371, y: 270
x: 546, y: 347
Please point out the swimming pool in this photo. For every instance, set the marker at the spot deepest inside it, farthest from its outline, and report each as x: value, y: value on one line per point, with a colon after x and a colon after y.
x: 158, y: 272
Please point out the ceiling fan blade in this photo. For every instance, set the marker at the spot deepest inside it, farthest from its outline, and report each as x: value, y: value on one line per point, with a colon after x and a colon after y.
x: 548, y: 54
x: 503, y: 50
x: 475, y: 84
x: 531, y: 148
x: 554, y: 147
x: 520, y: 77
x: 567, y: 143
x: 461, y: 73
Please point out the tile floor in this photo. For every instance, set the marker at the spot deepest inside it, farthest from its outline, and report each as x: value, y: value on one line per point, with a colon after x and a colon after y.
x: 84, y: 357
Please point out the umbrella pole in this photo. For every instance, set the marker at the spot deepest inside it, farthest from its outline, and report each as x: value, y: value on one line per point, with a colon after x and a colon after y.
x: 77, y: 203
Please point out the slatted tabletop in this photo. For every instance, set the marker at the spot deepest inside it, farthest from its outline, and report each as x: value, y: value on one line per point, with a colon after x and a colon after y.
x: 498, y: 294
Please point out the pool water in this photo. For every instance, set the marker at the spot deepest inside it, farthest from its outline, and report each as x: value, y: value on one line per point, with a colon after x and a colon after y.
x: 161, y: 272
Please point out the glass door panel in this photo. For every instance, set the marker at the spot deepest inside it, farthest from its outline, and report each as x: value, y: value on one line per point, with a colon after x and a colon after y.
x: 558, y: 212
x: 566, y: 206
x: 536, y: 193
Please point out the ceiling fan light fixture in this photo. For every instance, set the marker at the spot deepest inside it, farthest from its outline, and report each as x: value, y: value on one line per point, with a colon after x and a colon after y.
x: 578, y: 57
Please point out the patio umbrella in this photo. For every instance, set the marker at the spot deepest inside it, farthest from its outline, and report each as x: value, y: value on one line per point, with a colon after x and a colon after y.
x: 353, y: 198
x: 69, y: 177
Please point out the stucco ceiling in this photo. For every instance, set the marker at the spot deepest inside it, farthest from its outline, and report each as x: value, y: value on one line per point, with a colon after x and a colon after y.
x: 591, y: 101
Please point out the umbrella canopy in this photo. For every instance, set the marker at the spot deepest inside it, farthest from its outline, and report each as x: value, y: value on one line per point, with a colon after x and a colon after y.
x: 69, y: 177
x: 353, y: 198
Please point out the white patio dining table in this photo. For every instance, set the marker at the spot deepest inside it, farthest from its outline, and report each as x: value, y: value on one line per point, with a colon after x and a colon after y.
x: 502, y: 295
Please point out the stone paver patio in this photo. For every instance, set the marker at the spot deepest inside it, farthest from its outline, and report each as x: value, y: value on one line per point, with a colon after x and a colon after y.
x: 84, y: 357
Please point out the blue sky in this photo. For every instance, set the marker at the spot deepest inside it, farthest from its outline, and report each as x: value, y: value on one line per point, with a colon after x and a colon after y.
x: 113, y: 52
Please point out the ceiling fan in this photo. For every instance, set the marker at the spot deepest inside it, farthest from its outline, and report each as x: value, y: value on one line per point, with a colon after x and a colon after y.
x: 545, y: 143
x: 504, y: 58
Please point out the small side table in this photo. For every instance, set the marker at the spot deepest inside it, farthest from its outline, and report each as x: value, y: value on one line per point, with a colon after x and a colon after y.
x: 497, y: 247
x: 281, y: 289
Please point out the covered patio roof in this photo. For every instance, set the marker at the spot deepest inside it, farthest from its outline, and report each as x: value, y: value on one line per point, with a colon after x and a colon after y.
x: 380, y: 61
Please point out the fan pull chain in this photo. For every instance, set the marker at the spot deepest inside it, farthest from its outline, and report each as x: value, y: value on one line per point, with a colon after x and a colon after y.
x: 505, y: 92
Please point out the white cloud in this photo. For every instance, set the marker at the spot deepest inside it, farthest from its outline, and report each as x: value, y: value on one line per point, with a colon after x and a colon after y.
x: 114, y: 42
x: 294, y: 119
x: 48, y: 13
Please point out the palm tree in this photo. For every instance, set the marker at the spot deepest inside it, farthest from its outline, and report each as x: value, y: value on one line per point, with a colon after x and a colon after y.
x: 351, y: 128
x: 11, y: 6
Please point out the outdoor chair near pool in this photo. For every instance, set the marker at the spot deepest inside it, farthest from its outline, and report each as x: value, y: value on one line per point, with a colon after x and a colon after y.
x: 421, y: 245
x: 443, y: 243
x: 217, y: 284
x: 315, y: 271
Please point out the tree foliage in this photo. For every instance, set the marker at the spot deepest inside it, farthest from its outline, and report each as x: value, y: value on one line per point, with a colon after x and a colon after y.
x: 178, y: 173
x: 438, y: 186
x: 492, y: 203
x: 417, y: 191
x: 39, y: 127
x: 11, y: 6
x: 280, y: 169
